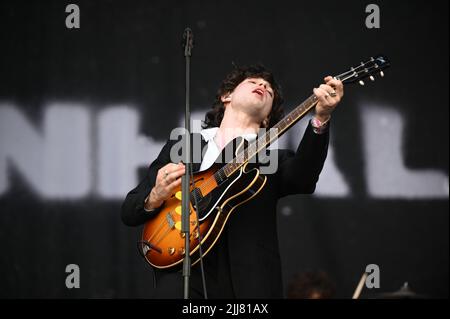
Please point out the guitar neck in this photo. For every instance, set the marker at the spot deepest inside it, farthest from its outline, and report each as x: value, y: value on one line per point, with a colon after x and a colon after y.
x: 271, y: 135
x: 375, y: 65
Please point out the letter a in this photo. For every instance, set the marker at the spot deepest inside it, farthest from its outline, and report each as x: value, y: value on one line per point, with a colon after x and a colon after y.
x: 373, y: 19
x: 373, y: 279
x: 73, y: 279
x: 73, y: 19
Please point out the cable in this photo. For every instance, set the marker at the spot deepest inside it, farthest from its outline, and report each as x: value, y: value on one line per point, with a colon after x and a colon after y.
x: 140, y: 248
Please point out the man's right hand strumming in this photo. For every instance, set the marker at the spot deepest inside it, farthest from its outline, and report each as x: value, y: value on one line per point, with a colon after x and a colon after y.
x: 167, y: 180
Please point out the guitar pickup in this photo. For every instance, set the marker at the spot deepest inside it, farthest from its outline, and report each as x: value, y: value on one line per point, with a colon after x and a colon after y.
x: 170, y: 220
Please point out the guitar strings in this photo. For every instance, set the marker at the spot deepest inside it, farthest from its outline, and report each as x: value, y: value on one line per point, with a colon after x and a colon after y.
x: 164, y: 221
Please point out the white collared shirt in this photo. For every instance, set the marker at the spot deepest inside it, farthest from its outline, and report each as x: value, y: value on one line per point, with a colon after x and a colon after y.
x: 213, y: 151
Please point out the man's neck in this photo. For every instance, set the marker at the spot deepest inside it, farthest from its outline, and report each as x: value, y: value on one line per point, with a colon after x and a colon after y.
x: 235, y: 123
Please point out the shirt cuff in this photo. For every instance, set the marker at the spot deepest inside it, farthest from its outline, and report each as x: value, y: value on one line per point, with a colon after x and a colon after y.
x: 145, y: 202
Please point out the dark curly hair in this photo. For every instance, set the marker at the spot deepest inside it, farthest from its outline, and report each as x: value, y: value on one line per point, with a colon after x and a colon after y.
x: 214, y: 117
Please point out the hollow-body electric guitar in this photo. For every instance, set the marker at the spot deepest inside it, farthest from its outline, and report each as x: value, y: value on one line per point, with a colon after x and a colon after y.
x: 216, y: 192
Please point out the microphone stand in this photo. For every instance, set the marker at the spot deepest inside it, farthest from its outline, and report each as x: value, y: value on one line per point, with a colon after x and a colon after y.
x: 188, y: 44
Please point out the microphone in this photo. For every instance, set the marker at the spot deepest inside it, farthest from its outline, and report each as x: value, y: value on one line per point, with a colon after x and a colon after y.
x: 188, y: 42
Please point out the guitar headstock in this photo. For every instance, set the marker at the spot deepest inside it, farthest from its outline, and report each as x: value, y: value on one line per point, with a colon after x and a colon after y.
x: 369, y: 69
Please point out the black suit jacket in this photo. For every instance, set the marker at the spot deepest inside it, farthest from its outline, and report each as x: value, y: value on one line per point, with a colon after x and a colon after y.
x: 251, y: 231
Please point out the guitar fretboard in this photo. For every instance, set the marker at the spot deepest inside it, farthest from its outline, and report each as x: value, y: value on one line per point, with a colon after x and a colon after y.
x: 358, y: 73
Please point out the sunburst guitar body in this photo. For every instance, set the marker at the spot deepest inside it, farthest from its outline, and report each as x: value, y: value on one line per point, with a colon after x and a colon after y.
x: 214, y: 196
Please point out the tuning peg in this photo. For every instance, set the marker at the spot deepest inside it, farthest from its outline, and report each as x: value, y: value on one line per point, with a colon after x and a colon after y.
x: 382, y: 73
x: 371, y: 78
x: 361, y: 82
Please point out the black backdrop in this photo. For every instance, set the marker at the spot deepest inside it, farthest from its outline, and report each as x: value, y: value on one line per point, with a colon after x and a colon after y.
x: 125, y: 60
